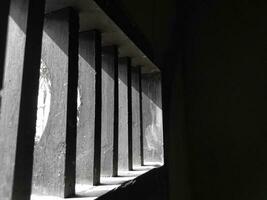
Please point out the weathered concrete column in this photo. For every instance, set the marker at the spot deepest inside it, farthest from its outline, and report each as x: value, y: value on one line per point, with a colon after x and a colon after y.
x: 141, y: 117
x: 152, y: 118
x: 55, y: 152
x: 89, y: 107
x: 22, y: 35
x: 130, y: 121
x: 136, y: 134
x: 124, y: 65
x: 109, y: 128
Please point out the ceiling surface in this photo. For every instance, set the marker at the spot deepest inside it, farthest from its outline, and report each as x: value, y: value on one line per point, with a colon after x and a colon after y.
x: 93, y: 17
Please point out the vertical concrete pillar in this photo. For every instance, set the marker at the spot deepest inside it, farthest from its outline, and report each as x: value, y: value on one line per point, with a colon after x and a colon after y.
x: 109, y: 128
x: 88, y: 158
x: 130, y: 121
x: 55, y: 152
x: 98, y: 116
x: 152, y: 118
x: 141, y: 117
x: 20, y: 51
x: 123, y: 162
x: 4, y: 11
x: 136, y: 128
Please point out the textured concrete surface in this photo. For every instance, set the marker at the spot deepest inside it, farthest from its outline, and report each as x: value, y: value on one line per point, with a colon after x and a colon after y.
x: 109, y: 65
x: 123, y: 157
x: 89, y: 44
x: 19, y: 94
x: 54, y: 156
x: 152, y: 118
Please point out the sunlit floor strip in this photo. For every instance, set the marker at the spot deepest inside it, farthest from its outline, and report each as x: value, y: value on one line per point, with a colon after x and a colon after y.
x: 88, y: 192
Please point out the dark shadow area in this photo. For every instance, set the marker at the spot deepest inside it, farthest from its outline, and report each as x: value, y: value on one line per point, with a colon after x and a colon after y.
x: 149, y: 186
x: 215, y: 94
